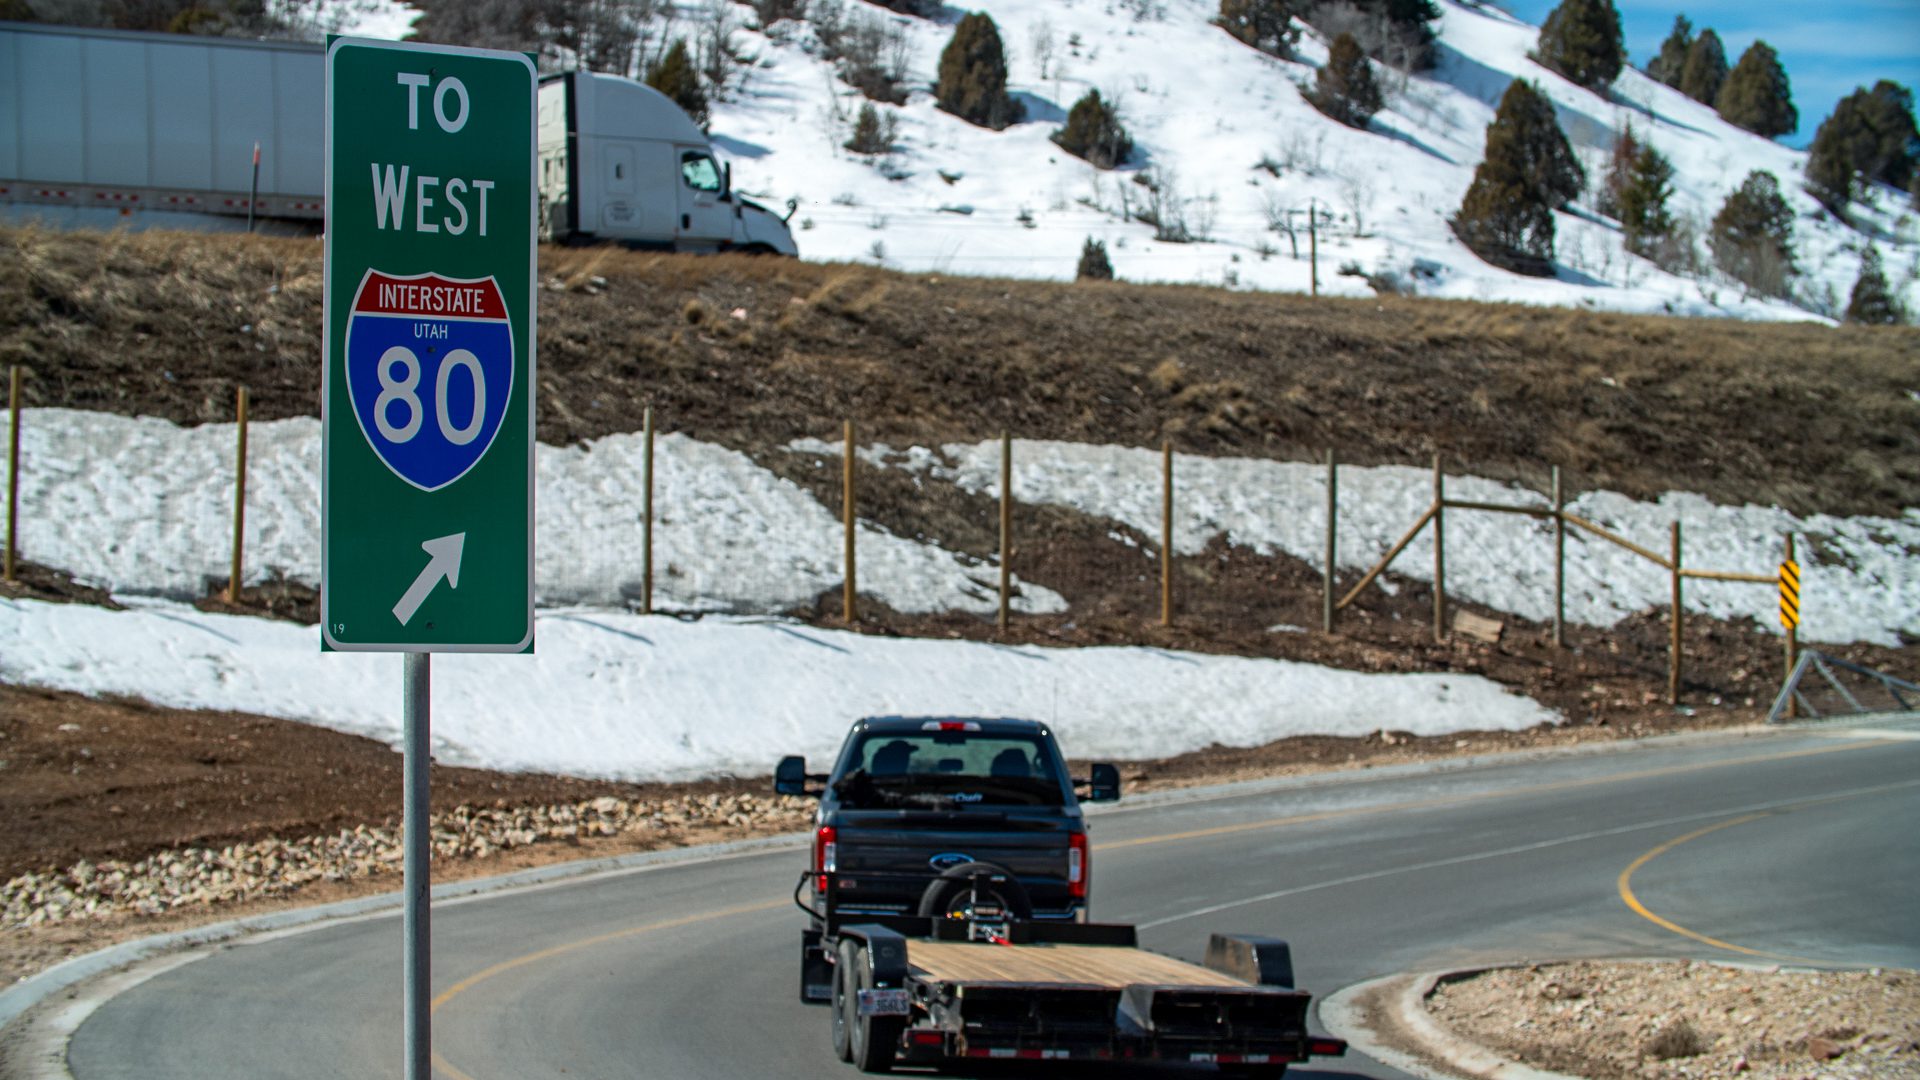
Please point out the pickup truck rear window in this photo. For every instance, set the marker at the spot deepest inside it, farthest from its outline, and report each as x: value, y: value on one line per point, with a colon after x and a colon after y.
x: 948, y: 770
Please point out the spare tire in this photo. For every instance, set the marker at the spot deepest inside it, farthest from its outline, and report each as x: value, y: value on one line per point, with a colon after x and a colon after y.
x: 947, y: 896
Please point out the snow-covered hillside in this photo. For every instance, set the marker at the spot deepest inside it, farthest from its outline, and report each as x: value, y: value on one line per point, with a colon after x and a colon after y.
x: 1205, y: 113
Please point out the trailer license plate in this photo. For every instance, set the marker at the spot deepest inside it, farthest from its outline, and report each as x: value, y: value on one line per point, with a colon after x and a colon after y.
x: 883, y: 1003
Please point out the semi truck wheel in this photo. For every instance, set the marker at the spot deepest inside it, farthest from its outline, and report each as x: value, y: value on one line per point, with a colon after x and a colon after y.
x: 874, y: 1037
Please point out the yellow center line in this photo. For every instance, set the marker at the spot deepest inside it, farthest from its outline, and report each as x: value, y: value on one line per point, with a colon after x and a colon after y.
x: 1633, y: 901
x: 1626, y: 893
x: 1457, y: 800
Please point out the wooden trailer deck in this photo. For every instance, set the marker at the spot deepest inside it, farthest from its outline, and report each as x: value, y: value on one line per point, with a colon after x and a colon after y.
x: 1102, y: 965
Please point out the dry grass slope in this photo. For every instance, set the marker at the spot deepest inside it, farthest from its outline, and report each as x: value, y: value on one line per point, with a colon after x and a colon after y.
x: 754, y: 351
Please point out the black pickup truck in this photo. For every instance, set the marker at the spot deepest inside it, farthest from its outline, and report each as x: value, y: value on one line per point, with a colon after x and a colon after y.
x: 915, y: 804
x: 948, y: 918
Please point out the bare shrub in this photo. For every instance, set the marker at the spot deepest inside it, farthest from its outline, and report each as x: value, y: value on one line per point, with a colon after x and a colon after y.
x: 1676, y: 1039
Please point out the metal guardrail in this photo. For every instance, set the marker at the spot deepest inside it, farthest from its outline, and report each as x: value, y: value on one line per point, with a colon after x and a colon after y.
x: 1824, y: 665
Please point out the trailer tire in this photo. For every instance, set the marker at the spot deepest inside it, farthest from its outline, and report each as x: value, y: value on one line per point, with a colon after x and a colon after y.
x: 955, y: 882
x: 873, y: 1038
x: 845, y: 1000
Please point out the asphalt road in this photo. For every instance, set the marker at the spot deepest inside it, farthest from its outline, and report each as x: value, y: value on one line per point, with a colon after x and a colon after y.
x: 1790, y: 847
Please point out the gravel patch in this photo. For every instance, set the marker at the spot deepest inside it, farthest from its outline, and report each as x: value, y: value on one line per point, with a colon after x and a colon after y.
x: 273, y: 867
x: 1619, y: 1019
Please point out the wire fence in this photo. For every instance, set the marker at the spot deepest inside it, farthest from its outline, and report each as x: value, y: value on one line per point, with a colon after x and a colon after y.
x: 1433, y: 517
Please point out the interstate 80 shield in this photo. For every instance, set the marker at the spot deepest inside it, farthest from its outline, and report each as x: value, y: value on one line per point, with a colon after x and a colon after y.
x: 430, y: 369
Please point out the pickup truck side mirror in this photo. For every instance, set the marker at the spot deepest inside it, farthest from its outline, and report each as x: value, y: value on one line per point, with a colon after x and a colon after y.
x: 790, y: 777
x: 726, y: 182
x: 1104, y: 783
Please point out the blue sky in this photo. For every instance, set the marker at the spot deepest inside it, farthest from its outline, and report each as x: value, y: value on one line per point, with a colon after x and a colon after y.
x: 1828, y: 48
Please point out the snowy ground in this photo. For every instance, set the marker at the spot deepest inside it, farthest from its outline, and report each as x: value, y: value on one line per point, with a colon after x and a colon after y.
x: 141, y: 507
x: 652, y: 697
x: 1205, y: 111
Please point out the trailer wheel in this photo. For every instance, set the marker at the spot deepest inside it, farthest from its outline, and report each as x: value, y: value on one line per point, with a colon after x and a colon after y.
x: 845, y: 1000
x: 874, y: 1038
x: 947, y: 895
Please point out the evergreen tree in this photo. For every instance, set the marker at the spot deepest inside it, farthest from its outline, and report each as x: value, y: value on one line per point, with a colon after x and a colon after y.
x: 1832, y: 176
x: 973, y: 75
x: 1093, y: 262
x: 1643, y: 201
x: 1705, y: 70
x: 675, y: 77
x: 1581, y: 40
x: 1757, y: 95
x: 1869, y: 137
x: 872, y: 134
x: 1872, y: 302
x: 1545, y: 156
x: 1667, y: 66
x: 1266, y: 25
x: 1752, y: 236
x: 1896, y: 146
x: 1094, y: 132
x: 1529, y: 169
x: 1344, y: 89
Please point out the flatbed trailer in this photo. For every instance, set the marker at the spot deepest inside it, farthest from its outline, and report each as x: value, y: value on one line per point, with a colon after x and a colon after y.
x: 921, y: 990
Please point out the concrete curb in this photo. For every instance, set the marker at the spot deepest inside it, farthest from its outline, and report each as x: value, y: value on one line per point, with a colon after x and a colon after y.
x: 1404, y: 997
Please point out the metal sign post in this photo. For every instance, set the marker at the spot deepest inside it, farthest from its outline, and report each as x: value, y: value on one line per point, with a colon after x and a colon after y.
x: 427, y: 395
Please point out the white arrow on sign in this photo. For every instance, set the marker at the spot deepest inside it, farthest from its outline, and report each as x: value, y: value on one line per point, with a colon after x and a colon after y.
x: 445, y: 563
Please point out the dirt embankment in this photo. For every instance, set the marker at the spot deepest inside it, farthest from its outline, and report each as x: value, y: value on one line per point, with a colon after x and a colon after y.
x: 755, y: 352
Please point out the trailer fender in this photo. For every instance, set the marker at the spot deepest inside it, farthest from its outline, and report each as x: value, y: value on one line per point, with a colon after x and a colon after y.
x: 885, y: 953
x: 1263, y: 960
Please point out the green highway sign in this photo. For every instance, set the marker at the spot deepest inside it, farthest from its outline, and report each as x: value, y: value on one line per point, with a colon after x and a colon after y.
x: 426, y: 497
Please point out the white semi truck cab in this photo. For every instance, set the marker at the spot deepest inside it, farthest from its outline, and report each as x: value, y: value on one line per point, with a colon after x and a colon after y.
x: 621, y: 162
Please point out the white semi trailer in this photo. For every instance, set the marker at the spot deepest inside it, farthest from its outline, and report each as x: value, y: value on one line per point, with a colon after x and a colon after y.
x: 107, y: 127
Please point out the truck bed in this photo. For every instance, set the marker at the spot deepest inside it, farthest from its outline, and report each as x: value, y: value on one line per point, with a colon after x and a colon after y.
x: 1108, y: 966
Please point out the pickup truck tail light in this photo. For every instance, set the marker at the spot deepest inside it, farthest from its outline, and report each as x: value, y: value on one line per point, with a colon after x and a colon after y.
x: 825, y: 856
x: 1077, y: 867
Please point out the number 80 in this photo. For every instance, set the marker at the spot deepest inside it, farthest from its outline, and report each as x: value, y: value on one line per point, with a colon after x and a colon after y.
x: 401, y: 391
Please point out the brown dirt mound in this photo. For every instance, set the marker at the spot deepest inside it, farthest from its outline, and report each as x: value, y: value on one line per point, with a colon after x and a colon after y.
x: 754, y: 352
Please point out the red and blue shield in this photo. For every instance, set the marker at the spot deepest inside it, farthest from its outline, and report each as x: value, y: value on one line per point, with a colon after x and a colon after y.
x: 429, y: 368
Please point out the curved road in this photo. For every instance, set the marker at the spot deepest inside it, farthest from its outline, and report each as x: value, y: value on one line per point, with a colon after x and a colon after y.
x: 1794, y: 847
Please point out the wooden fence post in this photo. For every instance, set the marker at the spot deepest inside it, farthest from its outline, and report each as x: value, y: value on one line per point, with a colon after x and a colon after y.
x: 1166, y: 533
x: 1673, y: 666
x: 239, y: 497
x: 646, y: 517
x: 13, y: 469
x: 1559, y: 564
x: 1439, y: 552
x: 1313, y: 245
x: 846, y: 488
x: 1793, y: 648
x: 1333, y: 516
x: 1006, y: 522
